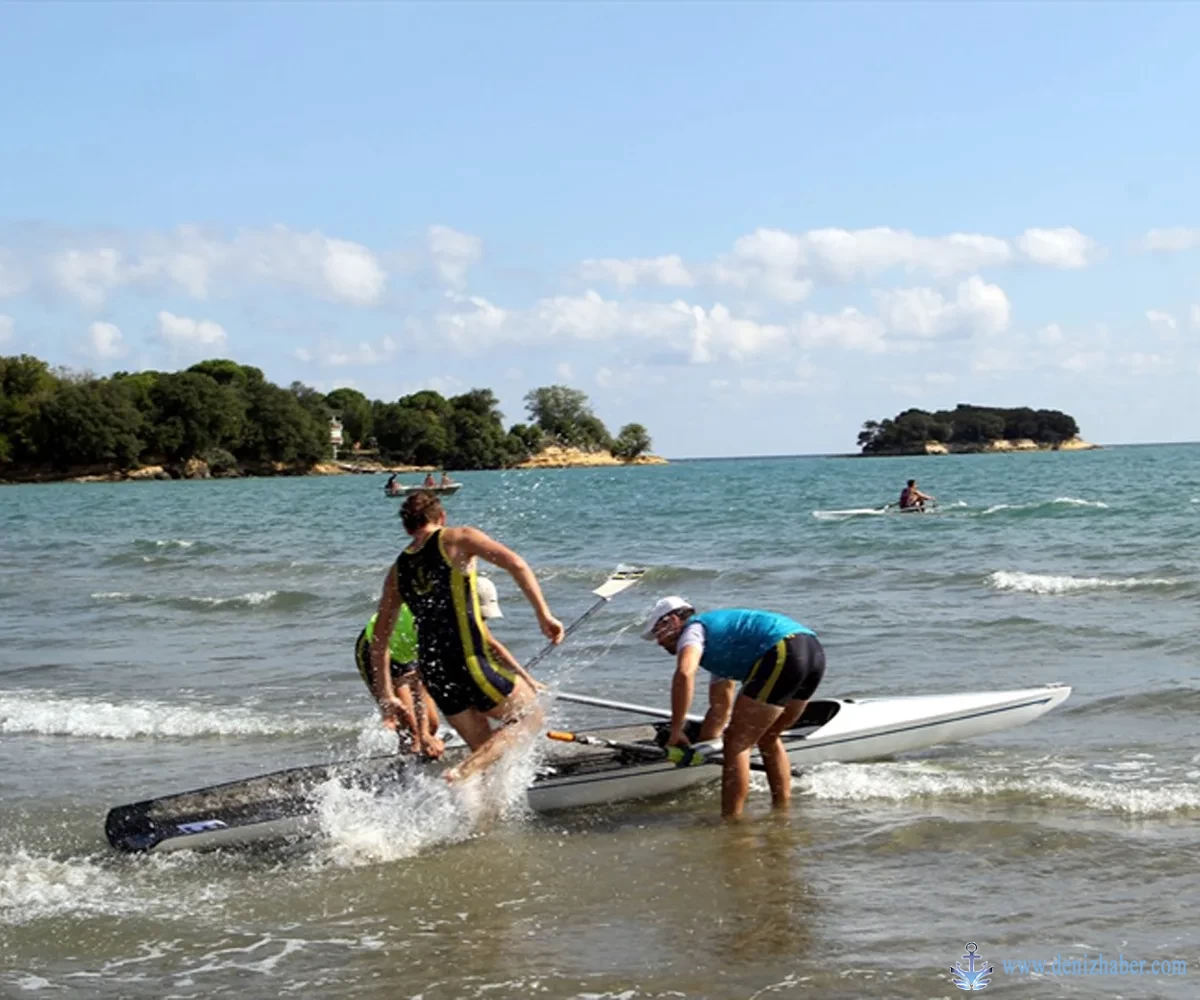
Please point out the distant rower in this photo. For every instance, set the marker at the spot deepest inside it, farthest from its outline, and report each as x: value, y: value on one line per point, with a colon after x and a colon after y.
x: 910, y: 496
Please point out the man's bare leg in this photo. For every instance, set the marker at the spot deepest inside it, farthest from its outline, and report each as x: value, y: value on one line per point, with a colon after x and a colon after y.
x: 775, y: 758
x: 751, y: 719
x: 521, y: 715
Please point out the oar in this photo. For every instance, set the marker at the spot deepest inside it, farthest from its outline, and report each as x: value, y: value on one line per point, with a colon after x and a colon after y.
x: 621, y: 706
x: 697, y: 753
x: 622, y: 578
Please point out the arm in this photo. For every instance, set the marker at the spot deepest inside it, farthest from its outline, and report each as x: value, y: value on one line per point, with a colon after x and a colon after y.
x: 720, y: 705
x: 510, y: 661
x: 468, y: 542
x: 381, y: 656
x: 682, y: 687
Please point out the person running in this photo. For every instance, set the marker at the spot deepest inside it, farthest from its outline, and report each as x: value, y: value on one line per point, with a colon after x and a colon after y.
x: 779, y: 663
x: 435, y: 578
x: 402, y: 652
x: 911, y: 497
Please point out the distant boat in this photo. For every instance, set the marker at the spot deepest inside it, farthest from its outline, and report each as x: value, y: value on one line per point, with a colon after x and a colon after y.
x: 403, y: 491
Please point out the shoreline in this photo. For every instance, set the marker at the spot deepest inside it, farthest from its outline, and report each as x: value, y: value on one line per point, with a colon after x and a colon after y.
x: 997, y: 446
x: 553, y: 457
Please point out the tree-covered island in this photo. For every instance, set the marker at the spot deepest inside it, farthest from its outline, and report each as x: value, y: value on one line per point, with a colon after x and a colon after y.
x: 968, y: 428
x: 221, y: 418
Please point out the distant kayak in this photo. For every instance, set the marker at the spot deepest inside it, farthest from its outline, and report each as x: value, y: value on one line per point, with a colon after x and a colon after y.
x: 891, y: 508
x: 404, y: 491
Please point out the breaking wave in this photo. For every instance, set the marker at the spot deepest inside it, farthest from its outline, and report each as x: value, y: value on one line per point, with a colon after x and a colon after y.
x: 271, y: 600
x: 1044, y: 583
x: 34, y: 887
x: 913, y: 781
x: 1059, y: 504
x: 41, y: 713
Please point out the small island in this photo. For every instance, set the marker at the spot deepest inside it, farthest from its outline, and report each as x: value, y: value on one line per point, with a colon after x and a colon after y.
x: 969, y: 429
x: 222, y: 419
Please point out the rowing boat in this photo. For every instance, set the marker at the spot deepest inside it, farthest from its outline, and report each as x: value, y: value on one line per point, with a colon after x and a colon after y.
x: 403, y: 491
x: 886, y: 509
x: 285, y: 804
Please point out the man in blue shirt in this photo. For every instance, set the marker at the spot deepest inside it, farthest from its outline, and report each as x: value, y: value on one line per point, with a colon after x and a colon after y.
x: 779, y: 663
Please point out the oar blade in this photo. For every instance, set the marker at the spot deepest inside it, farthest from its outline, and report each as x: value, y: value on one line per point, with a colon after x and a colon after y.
x: 622, y: 579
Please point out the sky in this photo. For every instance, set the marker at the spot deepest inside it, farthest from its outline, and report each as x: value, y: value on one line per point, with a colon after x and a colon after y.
x: 748, y: 227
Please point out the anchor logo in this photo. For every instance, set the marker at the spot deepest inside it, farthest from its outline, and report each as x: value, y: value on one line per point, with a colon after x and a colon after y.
x: 971, y: 977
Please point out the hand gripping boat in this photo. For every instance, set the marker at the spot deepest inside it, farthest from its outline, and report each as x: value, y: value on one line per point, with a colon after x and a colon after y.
x: 285, y: 804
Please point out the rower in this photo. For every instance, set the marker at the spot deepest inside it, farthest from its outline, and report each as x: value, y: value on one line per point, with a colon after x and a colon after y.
x: 779, y: 662
x: 402, y: 654
x: 435, y: 578
x: 910, y: 496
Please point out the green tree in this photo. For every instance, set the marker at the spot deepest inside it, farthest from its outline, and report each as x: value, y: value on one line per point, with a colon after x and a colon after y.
x: 565, y: 415
x: 632, y: 440
x: 25, y: 383
x: 90, y: 422
x: 530, y: 439
x: 279, y: 428
x: 225, y: 372
x: 411, y: 435
x: 192, y: 413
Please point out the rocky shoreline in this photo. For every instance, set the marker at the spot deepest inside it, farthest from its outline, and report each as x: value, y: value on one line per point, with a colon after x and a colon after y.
x: 196, y: 468
x: 556, y: 457
x: 995, y: 446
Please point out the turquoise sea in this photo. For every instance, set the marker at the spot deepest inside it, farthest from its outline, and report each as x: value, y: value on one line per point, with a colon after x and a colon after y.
x: 161, y: 636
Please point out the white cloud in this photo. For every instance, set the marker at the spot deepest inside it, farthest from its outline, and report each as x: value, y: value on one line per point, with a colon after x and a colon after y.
x: 197, y: 263
x: 716, y: 333
x: 89, y: 275
x: 303, y: 354
x: 105, y: 340
x: 479, y: 326
x: 182, y: 331
x: 978, y: 309
x: 668, y: 271
x: 351, y: 273
x: 1196, y: 317
x: 1172, y: 238
x: 453, y: 253
x: 1162, y: 320
x: 564, y: 371
x: 1065, y: 247
x: 6, y: 328
x: 785, y: 264
x: 700, y: 334
x: 850, y: 329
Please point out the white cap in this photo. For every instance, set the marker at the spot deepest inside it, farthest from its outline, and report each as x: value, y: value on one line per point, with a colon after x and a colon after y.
x: 489, y: 601
x: 664, y: 606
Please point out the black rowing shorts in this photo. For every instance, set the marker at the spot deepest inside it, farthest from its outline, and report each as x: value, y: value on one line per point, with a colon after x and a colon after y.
x: 789, y: 671
x: 362, y: 660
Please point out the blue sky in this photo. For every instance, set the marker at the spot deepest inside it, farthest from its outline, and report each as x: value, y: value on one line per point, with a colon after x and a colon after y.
x: 748, y: 227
